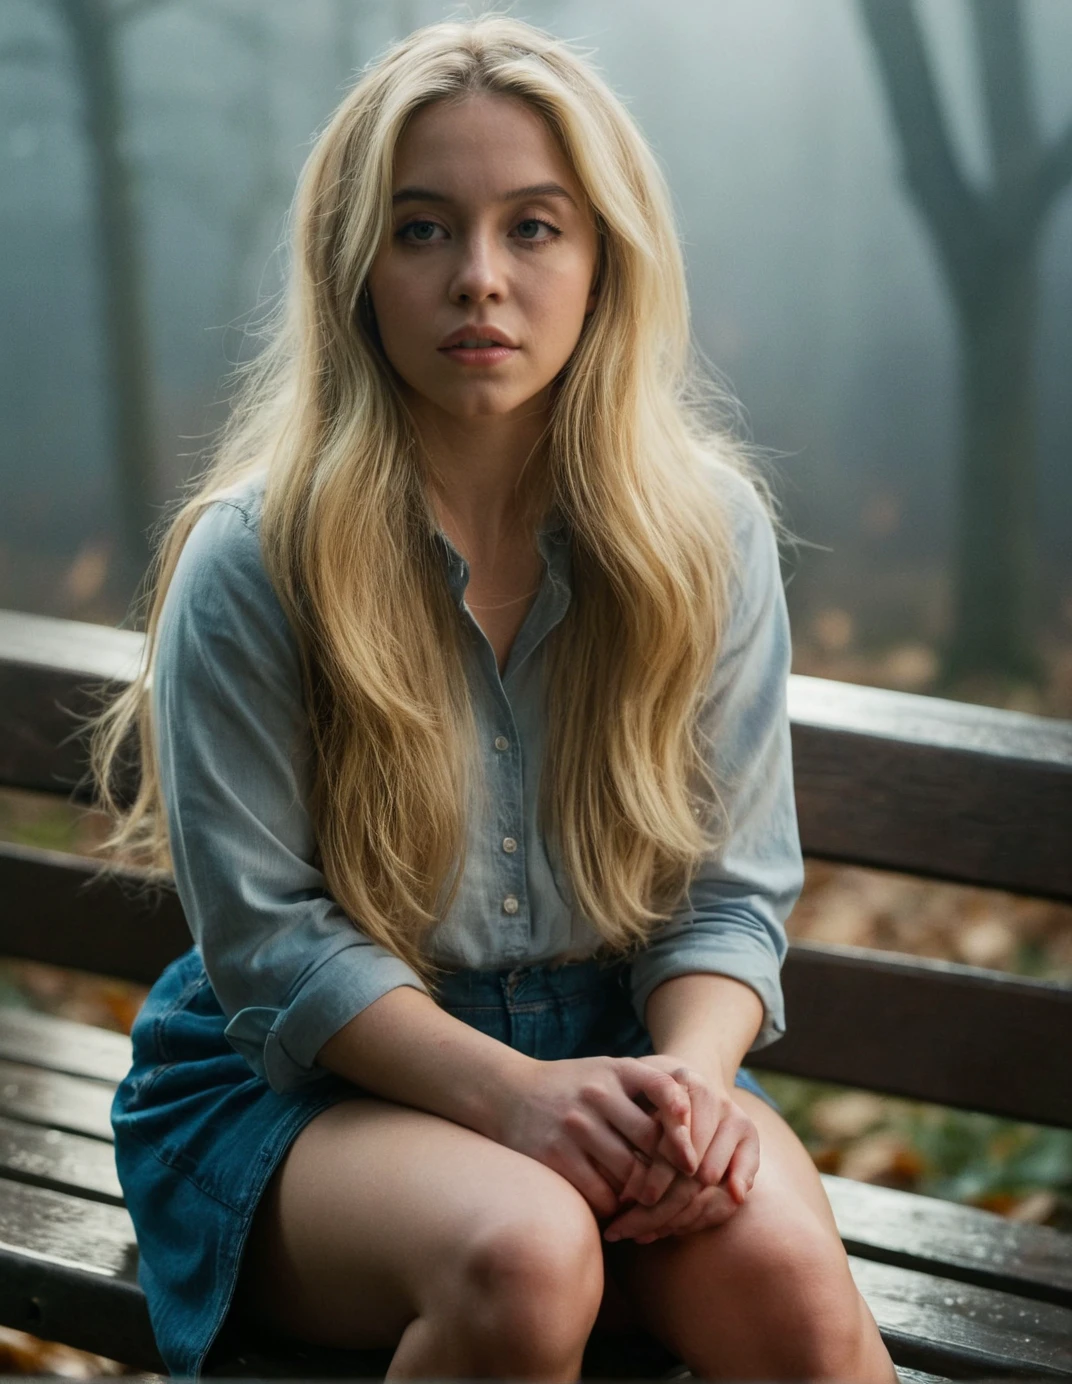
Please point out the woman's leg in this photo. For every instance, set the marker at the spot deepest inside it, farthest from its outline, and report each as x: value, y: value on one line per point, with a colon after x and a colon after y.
x: 387, y: 1226
x: 768, y: 1294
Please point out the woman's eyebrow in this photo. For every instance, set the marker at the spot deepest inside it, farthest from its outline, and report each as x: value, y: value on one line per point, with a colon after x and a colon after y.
x: 427, y: 194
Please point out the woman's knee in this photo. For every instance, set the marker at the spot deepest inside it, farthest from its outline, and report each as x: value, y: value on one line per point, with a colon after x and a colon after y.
x: 534, y: 1279
x: 808, y: 1310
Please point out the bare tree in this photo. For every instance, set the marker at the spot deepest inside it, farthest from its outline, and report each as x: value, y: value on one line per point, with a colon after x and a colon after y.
x: 987, y: 242
x: 93, y: 28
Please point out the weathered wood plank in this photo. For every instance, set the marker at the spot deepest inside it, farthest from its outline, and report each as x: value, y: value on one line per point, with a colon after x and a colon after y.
x: 68, y: 1273
x: 61, y: 1102
x: 52, y: 673
x: 61, y: 910
x: 926, y: 1030
x: 961, y: 1242
x: 940, y: 1325
x: 883, y: 778
x: 54, y: 1158
x: 933, y: 787
x: 61, y: 1045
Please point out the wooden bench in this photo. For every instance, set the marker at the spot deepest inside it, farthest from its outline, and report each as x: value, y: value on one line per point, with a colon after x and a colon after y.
x: 883, y: 779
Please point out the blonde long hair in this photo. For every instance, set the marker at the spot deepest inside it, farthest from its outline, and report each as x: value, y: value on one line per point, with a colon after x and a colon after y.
x: 636, y: 430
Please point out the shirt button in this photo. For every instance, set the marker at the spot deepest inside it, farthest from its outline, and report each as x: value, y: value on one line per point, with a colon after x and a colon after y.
x: 509, y: 845
x: 501, y: 742
x: 510, y: 904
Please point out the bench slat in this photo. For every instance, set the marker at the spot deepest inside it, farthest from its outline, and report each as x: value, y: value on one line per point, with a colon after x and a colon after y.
x: 932, y: 786
x: 941, y: 1325
x: 880, y: 775
x: 57, y: 1228
x: 927, y: 1030
x: 62, y: 1102
x: 62, y: 1045
x: 961, y: 1242
x: 60, y: 910
x: 53, y: 1158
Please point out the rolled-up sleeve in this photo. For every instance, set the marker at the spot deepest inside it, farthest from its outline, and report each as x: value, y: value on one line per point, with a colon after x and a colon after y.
x: 733, y: 920
x: 288, y: 966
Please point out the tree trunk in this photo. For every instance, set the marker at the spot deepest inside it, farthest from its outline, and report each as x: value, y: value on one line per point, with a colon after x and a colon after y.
x: 996, y: 571
x: 127, y: 367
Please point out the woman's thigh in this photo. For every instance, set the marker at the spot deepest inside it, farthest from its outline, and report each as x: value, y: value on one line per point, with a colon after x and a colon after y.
x: 380, y: 1214
x: 769, y: 1292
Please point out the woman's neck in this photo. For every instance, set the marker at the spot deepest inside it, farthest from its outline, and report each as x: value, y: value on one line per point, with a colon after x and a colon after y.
x: 474, y: 473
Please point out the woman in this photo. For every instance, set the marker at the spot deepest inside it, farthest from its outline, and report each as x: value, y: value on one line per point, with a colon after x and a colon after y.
x: 463, y: 730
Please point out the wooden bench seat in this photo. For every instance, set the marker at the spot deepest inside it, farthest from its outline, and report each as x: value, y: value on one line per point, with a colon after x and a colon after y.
x: 907, y: 783
x: 954, y: 1289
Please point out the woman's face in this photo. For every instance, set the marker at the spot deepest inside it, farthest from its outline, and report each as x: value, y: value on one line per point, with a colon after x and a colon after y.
x: 489, y: 228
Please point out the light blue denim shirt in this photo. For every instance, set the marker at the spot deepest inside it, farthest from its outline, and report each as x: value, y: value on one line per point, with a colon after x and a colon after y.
x: 288, y: 966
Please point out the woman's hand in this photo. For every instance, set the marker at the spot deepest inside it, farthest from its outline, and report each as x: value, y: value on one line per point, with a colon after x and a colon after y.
x: 580, y: 1116
x: 669, y: 1202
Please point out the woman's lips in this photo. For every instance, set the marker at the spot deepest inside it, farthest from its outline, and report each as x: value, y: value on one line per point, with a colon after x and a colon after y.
x: 478, y: 355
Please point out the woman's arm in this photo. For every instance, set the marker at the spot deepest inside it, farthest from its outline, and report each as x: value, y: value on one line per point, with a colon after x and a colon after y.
x: 732, y: 922
x: 577, y: 1116
x: 708, y: 985
x: 707, y: 1021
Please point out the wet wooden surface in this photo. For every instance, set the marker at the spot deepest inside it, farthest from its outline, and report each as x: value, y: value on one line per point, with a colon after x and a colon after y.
x: 926, y: 1030
x: 961, y: 1242
x: 54, y: 1158
x: 53, y: 1099
x: 60, y: 1045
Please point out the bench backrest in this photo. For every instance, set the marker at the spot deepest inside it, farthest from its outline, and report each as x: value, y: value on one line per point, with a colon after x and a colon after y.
x: 885, y: 779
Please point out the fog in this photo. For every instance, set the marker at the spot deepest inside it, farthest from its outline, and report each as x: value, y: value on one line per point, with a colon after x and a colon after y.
x: 815, y: 289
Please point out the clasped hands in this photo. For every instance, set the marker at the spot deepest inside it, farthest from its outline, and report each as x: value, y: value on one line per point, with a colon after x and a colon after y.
x: 651, y: 1144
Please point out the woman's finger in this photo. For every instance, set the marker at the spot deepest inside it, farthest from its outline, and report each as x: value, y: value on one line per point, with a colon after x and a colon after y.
x: 640, y: 1221
x: 731, y: 1133
x: 652, y: 1182
x: 602, y: 1142
x: 713, y: 1212
x: 581, y: 1173
x: 693, y: 1214
x: 742, y: 1168
x: 671, y: 1102
x: 703, y: 1107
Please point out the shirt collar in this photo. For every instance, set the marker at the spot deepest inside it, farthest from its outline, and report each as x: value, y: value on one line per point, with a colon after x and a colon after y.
x: 552, y: 540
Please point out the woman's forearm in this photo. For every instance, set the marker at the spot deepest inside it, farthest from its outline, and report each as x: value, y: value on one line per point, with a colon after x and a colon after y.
x: 709, y: 1021
x: 405, y: 1048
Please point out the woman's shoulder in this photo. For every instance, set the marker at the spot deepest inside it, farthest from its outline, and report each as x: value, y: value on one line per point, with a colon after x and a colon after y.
x: 220, y: 570
x: 750, y: 520
x: 740, y: 496
x: 225, y: 535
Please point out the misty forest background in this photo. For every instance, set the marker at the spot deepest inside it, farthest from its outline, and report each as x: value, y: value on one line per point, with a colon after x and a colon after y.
x: 875, y: 201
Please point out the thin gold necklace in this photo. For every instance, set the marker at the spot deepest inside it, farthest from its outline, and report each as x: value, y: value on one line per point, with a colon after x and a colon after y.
x: 503, y: 604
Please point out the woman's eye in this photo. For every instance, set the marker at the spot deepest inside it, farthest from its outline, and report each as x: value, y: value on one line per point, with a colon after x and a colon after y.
x: 539, y: 221
x: 421, y: 231
x: 410, y: 225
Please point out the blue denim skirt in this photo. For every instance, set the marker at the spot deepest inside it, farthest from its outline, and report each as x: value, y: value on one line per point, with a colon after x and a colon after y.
x: 198, y: 1135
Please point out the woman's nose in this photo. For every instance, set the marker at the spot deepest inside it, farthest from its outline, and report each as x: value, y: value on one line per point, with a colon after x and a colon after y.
x: 481, y: 270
